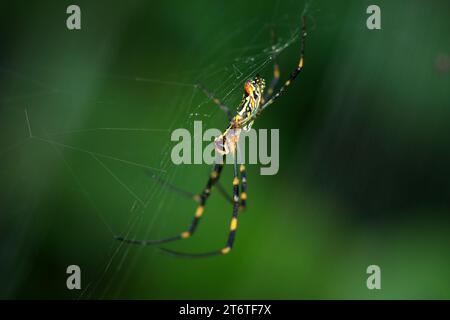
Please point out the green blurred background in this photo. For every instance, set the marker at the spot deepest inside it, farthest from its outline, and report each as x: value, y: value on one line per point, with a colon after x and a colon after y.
x: 364, y: 149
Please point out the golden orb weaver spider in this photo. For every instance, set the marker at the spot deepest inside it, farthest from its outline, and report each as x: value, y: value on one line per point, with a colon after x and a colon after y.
x: 254, y: 101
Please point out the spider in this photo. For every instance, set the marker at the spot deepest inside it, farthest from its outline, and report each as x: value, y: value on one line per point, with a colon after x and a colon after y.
x: 254, y: 102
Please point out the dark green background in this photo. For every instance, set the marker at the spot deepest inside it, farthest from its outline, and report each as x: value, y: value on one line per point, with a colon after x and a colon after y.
x: 364, y: 139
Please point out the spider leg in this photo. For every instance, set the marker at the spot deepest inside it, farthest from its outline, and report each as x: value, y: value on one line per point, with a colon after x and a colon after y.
x: 276, y: 69
x: 216, y: 101
x: 243, y: 196
x: 293, y: 75
x: 233, y: 224
x: 213, y: 178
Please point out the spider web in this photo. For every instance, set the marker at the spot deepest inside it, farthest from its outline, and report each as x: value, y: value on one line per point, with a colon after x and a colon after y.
x: 105, y: 161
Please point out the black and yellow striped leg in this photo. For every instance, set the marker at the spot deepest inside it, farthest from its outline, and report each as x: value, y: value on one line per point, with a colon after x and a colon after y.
x: 234, y: 217
x: 276, y: 70
x: 231, y: 235
x: 213, y: 178
x: 293, y: 75
x: 243, y: 195
x: 273, y: 84
x: 211, y: 96
x: 233, y: 224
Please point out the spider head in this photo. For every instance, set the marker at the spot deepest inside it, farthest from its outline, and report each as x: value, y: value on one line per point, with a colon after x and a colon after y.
x: 253, y: 92
x: 254, y: 87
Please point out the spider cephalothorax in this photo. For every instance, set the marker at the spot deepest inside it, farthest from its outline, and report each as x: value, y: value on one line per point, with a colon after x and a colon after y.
x: 244, y: 118
x: 254, y: 101
x: 253, y: 96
